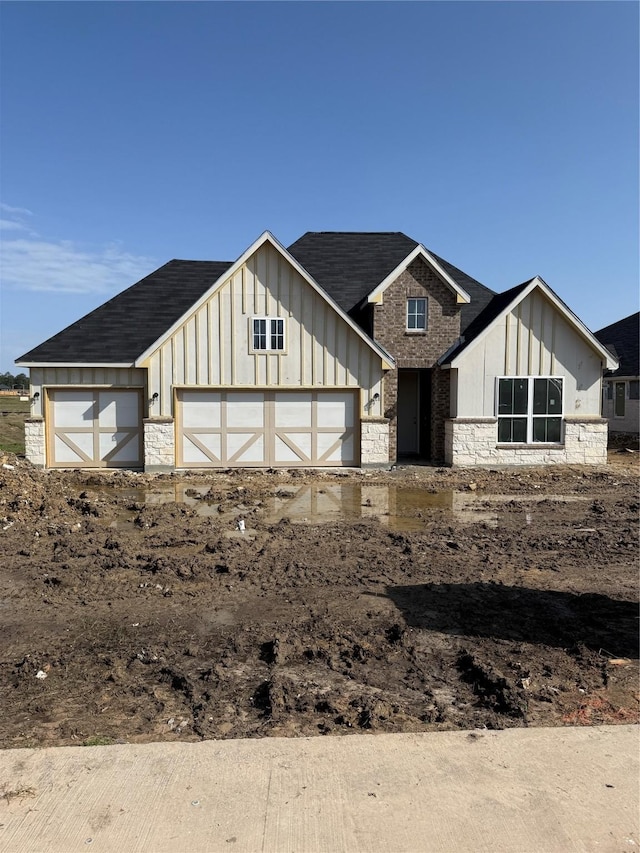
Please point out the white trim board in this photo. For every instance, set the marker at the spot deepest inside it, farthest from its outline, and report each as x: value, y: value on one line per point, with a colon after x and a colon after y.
x: 462, y: 296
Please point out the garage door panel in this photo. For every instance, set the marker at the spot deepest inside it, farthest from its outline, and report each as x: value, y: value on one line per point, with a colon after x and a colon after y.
x: 293, y: 410
x: 119, y: 447
x: 293, y: 447
x: 245, y: 447
x: 118, y: 409
x: 201, y: 409
x: 202, y: 448
x: 75, y: 449
x: 336, y: 410
x: 336, y: 449
x: 73, y: 409
x: 245, y: 410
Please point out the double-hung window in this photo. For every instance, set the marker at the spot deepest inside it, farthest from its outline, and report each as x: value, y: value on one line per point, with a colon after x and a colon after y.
x: 268, y: 334
x: 417, y: 314
x: 529, y: 410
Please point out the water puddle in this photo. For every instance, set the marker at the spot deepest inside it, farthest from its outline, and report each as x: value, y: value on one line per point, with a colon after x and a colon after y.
x: 401, y: 509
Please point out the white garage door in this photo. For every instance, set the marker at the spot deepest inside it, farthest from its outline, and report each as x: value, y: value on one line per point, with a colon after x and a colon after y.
x: 94, y: 428
x: 267, y: 428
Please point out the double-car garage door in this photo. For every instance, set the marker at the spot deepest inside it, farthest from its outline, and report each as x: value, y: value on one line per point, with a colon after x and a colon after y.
x: 266, y: 428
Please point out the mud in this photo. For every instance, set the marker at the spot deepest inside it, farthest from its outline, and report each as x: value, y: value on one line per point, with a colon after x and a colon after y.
x: 134, y: 609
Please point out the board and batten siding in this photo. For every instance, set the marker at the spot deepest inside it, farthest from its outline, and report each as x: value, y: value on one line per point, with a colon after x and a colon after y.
x: 533, y: 339
x: 212, y: 347
x: 107, y: 377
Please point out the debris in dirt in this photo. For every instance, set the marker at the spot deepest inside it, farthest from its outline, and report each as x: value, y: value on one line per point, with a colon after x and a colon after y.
x: 240, y: 525
x: 41, y: 674
x: 8, y: 467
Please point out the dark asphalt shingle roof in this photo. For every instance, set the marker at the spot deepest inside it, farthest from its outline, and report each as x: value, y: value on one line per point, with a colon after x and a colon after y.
x: 350, y: 264
x: 121, y: 329
x: 623, y: 338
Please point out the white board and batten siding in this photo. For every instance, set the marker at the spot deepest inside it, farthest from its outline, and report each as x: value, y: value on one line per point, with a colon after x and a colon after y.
x: 533, y: 339
x: 212, y: 348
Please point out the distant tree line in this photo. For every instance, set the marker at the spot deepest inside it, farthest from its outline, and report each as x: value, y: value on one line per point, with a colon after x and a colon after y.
x: 8, y: 380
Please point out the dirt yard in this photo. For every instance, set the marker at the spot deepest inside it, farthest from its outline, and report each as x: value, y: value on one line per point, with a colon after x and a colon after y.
x: 133, y: 608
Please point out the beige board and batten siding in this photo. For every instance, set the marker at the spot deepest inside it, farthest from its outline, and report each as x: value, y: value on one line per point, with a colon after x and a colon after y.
x: 533, y: 339
x: 68, y: 377
x: 212, y: 347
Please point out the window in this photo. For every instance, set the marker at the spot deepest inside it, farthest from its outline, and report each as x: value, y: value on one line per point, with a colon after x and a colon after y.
x: 530, y: 410
x: 417, y: 315
x: 268, y: 334
x: 634, y: 389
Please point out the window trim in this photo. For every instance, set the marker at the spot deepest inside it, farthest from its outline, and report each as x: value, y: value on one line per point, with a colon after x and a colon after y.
x: 268, y: 350
x: 529, y: 414
x: 422, y: 329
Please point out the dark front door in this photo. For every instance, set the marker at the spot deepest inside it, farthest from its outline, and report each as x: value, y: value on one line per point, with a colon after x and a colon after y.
x: 414, y: 413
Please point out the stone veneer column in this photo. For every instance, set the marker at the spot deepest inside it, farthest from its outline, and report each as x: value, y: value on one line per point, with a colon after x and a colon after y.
x: 159, y: 445
x: 34, y: 442
x: 374, y: 442
x: 585, y: 440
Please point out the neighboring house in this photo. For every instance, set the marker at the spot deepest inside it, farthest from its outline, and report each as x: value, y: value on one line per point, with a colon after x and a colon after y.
x: 345, y: 349
x: 621, y: 387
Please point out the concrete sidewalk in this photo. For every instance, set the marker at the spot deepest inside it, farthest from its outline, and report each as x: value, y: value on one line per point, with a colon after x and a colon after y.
x: 538, y: 790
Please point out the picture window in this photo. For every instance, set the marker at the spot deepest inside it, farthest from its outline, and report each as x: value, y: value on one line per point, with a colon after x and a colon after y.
x: 529, y: 410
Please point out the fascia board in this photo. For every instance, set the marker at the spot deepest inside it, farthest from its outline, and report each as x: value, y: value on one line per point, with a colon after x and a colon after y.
x: 267, y: 236
x: 75, y: 364
x: 568, y: 315
x: 461, y: 295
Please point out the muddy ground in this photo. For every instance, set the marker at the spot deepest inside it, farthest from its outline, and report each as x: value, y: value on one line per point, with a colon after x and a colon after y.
x: 133, y: 608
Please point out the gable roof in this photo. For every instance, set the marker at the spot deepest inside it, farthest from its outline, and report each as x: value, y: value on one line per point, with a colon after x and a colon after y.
x: 125, y: 330
x: 125, y: 326
x: 623, y: 339
x: 267, y: 237
x: 350, y: 265
x: 502, y: 303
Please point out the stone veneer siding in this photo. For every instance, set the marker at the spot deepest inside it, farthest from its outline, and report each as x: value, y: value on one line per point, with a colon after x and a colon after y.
x: 159, y: 444
x: 473, y: 442
x: 374, y: 442
x: 417, y: 350
x: 35, y: 442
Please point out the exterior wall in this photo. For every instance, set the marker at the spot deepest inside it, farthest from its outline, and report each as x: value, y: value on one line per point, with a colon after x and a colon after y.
x: 630, y: 423
x: 473, y: 442
x: 212, y: 348
x: 159, y: 444
x: 417, y: 349
x: 34, y: 442
x: 533, y: 340
x: 374, y: 442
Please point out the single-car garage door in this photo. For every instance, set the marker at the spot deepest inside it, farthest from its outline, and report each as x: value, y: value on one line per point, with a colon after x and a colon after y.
x: 94, y: 428
x: 267, y: 428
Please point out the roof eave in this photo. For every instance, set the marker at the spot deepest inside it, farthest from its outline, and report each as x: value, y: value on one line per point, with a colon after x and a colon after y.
x: 74, y: 364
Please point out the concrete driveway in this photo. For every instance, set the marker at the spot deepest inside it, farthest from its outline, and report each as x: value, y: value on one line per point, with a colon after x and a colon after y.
x: 519, y: 790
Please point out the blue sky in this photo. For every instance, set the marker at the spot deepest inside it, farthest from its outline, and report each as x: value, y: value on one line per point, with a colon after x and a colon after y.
x: 503, y: 136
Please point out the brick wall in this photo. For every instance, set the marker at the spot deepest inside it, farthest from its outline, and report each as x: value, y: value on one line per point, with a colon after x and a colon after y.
x: 418, y: 350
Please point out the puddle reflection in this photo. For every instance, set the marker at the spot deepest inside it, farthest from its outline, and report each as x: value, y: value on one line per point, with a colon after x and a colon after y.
x: 402, y: 509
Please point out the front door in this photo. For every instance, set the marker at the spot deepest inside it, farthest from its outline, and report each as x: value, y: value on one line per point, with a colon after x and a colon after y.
x: 408, y: 412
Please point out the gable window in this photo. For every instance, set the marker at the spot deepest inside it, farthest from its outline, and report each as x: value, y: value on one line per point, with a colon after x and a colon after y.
x: 417, y: 314
x: 268, y: 334
x: 529, y: 410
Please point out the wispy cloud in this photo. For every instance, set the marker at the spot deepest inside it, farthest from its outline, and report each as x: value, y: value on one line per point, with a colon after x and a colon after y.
x: 14, y: 211
x: 31, y: 262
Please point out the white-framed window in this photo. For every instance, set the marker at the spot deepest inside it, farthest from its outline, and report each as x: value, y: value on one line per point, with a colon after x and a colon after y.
x: 417, y: 314
x: 529, y: 409
x: 267, y: 334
